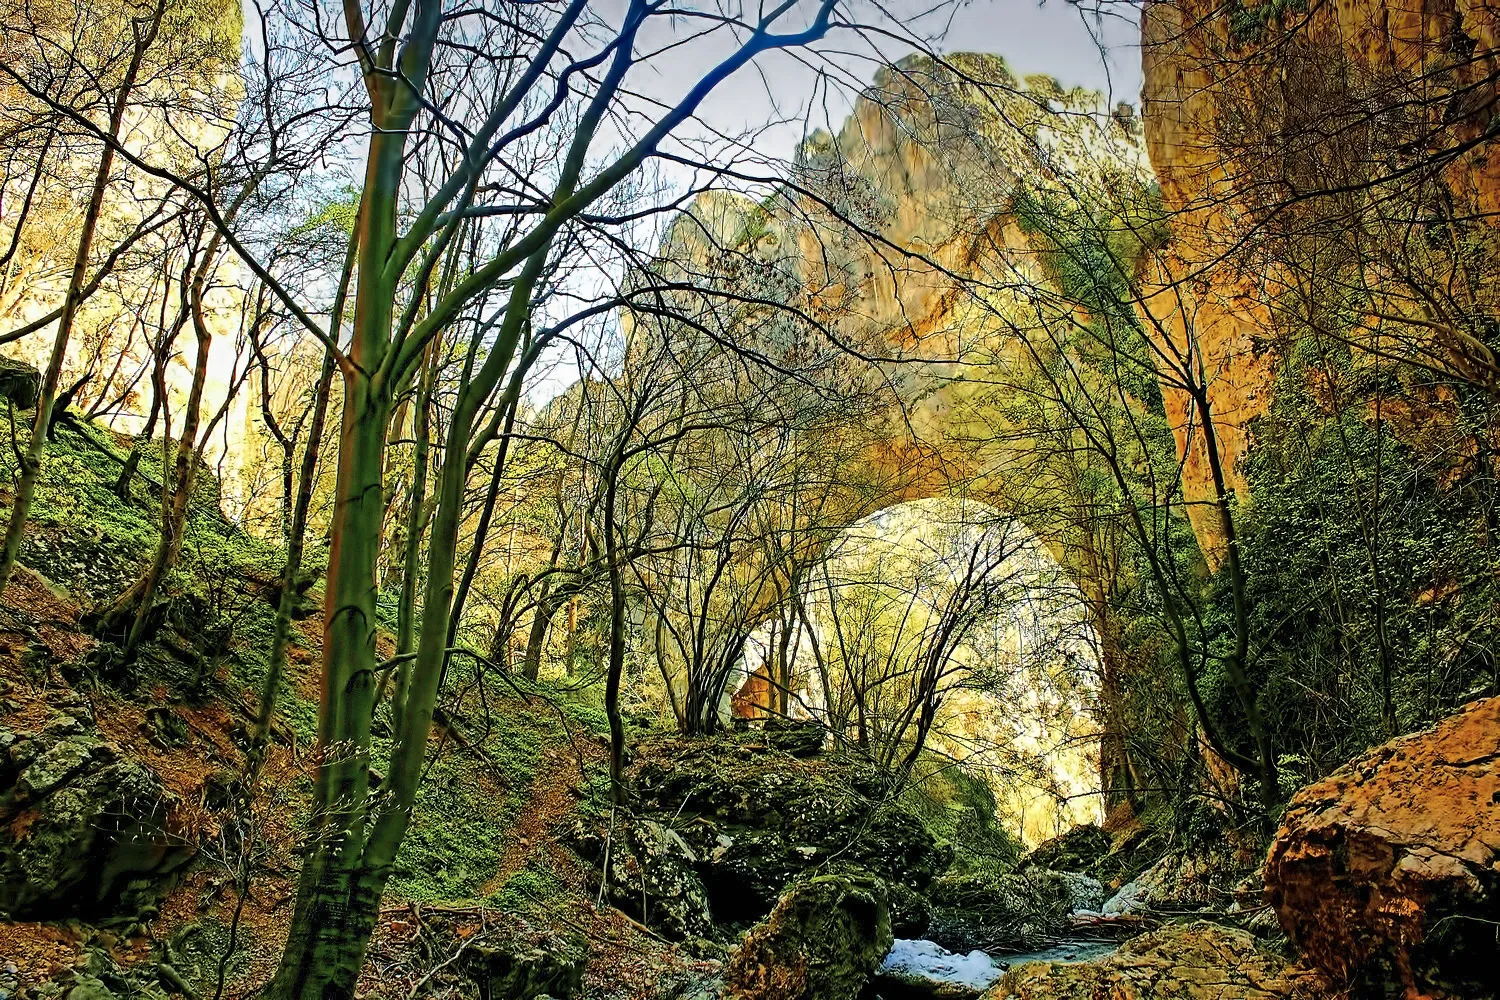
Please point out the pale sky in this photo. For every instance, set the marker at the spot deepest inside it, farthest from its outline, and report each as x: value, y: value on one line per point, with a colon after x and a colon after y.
x: 1053, y: 37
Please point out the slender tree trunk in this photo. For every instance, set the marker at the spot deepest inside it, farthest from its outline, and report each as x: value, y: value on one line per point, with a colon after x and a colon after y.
x: 177, y: 489
x: 411, y: 569
x: 547, y: 603
x: 1234, y: 663
x: 338, y: 893
x: 133, y: 460
x: 482, y: 529
x: 616, y: 647
x: 31, y: 458
x: 354, y: 838
x: 295, y: 544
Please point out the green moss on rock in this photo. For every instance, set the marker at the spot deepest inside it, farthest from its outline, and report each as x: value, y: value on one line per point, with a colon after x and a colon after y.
x: 823, y: 940
x: 84, y: 829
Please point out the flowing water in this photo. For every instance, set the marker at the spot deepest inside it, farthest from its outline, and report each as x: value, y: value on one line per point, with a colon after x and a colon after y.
x: 929, y: 972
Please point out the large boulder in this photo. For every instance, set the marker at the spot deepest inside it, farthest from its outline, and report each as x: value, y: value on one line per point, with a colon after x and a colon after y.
x: 749, y: 819
x: 647, y: 871
x: 1391, y: 865
x: 823, y: 940
x: 1081, y: 849
x: 1114, y: 855
x: 1197, y: 961
x: 1177, y: 881
x: 20, y: 383
x: 528, y: 964
x: 84, y: 830
x: 1011, y: 912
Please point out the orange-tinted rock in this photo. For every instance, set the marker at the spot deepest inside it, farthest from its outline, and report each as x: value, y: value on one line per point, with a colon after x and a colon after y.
x: 1306, y: 150
x: 1197, y: 961
x: 1391, y: 865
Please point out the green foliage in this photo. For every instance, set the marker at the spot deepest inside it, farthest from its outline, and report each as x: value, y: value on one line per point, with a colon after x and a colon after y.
x: 458, y: 829
x: 85, y: 537
x: 1366, y: 559
x: 527, y: 889
x: 334, y: 217
x: 1248, y: 24
x: 958, y: 808
x: 471, y: 799
x: 1092, y: 252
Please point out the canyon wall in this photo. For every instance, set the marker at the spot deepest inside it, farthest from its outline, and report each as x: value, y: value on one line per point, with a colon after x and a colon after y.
x: 906, y: 249
x: 1331, y: 177
x: 175, y: 120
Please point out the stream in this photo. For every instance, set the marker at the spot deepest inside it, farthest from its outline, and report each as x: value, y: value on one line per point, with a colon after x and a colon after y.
x: 922, y: 970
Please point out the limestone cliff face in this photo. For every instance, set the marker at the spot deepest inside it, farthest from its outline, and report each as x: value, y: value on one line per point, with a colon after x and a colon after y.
x: 1330, y: 170
x: 903, y: 238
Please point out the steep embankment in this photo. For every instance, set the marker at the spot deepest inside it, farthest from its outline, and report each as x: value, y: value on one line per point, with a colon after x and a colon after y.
x: 127, y: 840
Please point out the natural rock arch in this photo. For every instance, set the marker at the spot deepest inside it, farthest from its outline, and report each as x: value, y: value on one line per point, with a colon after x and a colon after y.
x: 909, y: 263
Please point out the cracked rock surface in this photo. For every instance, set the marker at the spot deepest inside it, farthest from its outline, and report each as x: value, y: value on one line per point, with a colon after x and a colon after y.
x: 1196, y: 961
x: 1390, y: 866
x: 84, y: 829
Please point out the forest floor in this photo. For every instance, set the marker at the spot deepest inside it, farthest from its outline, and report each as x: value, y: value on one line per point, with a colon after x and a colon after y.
x: 482, y: 846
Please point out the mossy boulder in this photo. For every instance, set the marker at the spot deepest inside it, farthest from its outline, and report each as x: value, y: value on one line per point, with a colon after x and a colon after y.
x: 800, y: 738
x: 20, y: 383
x: 89, y: 988
x: 648, y: 872
x: 1081, y: 849
x: 84, y: 830
x: 1006, y: 912
x: 1113, y: 858
x: 526, y: 964
x: 1180, y: 882
x: 910, y: 912
x: 755, y: 818
x: 823, y: 940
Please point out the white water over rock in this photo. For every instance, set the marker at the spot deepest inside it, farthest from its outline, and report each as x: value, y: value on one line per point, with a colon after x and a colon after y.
x: 929, y: 962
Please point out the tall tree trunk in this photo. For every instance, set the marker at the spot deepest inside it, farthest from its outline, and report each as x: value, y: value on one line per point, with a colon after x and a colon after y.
x: 354, y: 837
x: 411, y: 569
x: 177, y: 488
x: 506, y: 412
x: 338, y: 890
x: 547, y: 603
x: 338, y: 893
x: 1235, y: 662
x: 31, y: 458
x: 616, y: 647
